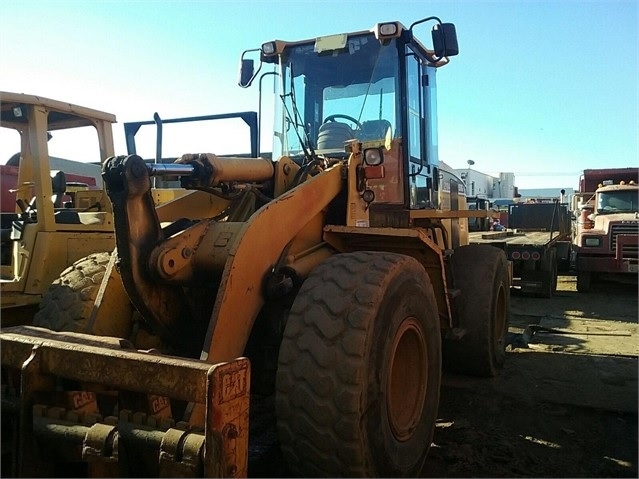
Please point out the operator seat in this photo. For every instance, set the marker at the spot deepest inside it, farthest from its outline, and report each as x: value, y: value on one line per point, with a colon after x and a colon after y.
x: 374, y: 130
x: 59, y: 187
x: 333, y: 134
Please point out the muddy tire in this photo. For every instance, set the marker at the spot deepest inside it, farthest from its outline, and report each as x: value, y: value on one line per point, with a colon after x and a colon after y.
x: 67, y: 304
x: 359, y: 369
x: 480, y: 272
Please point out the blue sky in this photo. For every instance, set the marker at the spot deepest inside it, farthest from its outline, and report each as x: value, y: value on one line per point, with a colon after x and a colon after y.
x: 543, y: 89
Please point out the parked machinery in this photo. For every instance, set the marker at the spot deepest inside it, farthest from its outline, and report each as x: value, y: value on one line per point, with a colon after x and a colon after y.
x: 336, y: 277
x: 50, y: 223
x: 605, y: 233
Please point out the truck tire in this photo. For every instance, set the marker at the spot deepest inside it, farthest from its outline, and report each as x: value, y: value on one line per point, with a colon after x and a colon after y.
x: 549, y: 266
x: 480, y: 272
x: 359, y: 369
x: 67, y: 304
x: 584, y: 281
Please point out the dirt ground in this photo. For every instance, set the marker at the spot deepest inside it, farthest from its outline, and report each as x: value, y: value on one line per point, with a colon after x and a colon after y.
x: 565, y: 404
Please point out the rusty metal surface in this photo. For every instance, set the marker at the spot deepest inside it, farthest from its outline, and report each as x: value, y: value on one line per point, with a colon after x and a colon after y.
x: 106, y: 361
x: 240, y: 297
x: 165, y: 307
x: 216, y: 447
x: 181, y: 454
x: 112, y: 311
x: 228, y: 417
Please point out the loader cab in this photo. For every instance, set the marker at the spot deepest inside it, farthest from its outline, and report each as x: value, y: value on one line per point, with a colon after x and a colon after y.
x: 375, y: 87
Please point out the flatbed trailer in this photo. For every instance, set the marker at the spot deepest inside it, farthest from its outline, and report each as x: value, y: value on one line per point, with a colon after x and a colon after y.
x: 539, y: 238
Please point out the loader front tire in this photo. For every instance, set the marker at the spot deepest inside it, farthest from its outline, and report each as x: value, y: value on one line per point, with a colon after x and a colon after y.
x: 359, y: 369
x: 480, y: 273
x: 67, y: 304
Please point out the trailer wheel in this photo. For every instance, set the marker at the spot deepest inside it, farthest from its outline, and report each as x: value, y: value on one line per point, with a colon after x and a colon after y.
x: 584, y: 281
x: 67, y: 304
x: 359, y: 369
x: 480, y: 272
x: 549, y: 266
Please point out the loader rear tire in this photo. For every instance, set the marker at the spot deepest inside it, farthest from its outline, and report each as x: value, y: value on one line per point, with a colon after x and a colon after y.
x: 67, y: 304
x: 359, y: 369
x: 480, y: 272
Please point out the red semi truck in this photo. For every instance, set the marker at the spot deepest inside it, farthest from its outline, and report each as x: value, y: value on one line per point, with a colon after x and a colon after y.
x: 9, y: 183
x: 605, y: 234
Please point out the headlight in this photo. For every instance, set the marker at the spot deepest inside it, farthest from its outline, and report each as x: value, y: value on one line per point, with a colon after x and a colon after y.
x: 592, y: 242
x: 373, y: 156
x: 388, y: 29
x: 268, y: 48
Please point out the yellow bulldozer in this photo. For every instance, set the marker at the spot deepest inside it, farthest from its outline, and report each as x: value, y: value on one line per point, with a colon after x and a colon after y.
x: 51, y: 218
x: 56, y: 217
x: 331, y: 278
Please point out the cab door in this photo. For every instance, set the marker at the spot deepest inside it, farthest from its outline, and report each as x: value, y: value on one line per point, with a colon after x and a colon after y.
x: 421, y: 121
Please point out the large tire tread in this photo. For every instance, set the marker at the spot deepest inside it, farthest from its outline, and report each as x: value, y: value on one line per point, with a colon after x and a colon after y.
x: 305, y: 349
x: 67, y: 304
x: 480, y: 272
x: 319, y: 420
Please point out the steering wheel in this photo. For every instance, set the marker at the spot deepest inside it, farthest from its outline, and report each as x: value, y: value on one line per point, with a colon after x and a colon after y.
x: 345, y: 117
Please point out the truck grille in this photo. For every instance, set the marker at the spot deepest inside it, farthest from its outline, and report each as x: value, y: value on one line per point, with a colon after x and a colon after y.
x: 629, y: 251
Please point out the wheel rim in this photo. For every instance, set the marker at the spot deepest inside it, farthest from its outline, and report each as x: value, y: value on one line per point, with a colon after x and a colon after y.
x: 408, y: 379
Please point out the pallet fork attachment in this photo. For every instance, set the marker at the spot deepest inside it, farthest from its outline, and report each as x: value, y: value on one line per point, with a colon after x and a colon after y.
x: 40, y: 362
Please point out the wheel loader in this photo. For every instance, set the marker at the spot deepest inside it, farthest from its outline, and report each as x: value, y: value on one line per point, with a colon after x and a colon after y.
x: 331, y: 278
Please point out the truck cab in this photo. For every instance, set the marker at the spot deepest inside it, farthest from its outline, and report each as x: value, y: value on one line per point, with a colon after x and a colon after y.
x: 605, y: 236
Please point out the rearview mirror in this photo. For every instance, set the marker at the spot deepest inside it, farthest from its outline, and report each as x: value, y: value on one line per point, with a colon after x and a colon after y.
x: 247, y: 71
x: 445, y: 40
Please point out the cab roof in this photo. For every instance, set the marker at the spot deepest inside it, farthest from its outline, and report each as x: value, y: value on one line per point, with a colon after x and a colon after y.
x: 61, y: 114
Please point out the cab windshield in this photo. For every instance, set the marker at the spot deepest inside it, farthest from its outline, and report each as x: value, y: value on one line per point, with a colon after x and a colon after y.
x: 332, y: 95
x: 620, y: 201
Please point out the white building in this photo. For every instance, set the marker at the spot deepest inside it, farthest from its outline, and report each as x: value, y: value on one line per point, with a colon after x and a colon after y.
x: 547, y: 193
x: 487, y: 186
